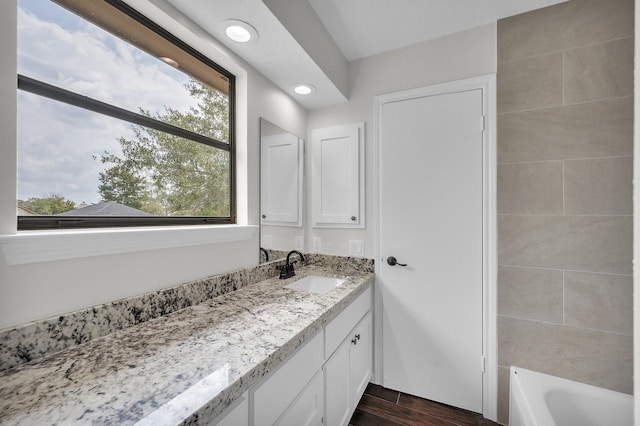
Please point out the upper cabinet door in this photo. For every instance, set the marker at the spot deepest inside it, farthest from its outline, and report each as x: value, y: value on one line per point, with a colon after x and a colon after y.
x: 282, y: 180
x: 338, y: 176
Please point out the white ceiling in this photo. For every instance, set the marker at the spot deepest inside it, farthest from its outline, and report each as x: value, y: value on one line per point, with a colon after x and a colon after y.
x: 359, y: 28
x: 276, y: 53
x: 363, y: 28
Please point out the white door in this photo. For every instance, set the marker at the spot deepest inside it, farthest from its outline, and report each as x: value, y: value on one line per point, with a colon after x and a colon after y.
x: 431, y: 182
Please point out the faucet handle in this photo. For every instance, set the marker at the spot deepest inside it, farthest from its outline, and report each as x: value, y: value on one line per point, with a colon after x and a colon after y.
x: 287, y: 271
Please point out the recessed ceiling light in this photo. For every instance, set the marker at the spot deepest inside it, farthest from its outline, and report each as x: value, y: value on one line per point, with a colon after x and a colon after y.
x: 240, y: 31
x: 169, y: 61
x: 304, y: 89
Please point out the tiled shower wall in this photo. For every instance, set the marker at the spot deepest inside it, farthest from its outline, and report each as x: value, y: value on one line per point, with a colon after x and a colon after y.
x: 565, y: 86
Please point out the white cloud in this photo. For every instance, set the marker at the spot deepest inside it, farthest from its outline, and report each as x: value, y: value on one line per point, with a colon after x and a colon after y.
x: 96, y: 64
x: 57, y: 142
x: 56, y: 146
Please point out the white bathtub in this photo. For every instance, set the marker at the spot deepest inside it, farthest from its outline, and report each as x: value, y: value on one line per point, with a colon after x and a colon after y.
x: 538, y: 399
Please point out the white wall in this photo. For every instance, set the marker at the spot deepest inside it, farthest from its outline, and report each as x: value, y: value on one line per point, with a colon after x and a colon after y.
x: 450, y: 58
x: 40, y: 290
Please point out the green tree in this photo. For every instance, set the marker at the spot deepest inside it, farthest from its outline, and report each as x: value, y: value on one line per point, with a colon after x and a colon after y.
x: 168, y: 175
x: 52, y: 204
x: 118, y: 184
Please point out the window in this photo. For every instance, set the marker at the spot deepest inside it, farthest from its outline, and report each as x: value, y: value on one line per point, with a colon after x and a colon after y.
x: 119, y: 122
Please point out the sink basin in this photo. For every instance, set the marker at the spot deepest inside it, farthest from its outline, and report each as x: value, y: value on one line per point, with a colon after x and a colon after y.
x: 315, y: 284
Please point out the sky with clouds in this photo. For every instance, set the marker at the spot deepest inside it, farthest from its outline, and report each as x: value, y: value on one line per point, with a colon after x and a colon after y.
x: 57, y: 142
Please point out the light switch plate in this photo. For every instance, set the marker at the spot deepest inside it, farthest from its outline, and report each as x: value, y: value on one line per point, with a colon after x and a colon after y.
x: 267, y: 241
x: 298, y: 243
x: 317, y: 244
x: 356, y: 248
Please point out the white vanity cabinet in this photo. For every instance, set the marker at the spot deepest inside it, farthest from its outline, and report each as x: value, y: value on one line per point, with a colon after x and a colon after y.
x: 235, y: 415
x: 274, y: 398
x: 361, y: 358
x: 348, y: 372
x: 308, y: 408
x: 337, y: 169
x: 336, y: 381
x: 321, y: 383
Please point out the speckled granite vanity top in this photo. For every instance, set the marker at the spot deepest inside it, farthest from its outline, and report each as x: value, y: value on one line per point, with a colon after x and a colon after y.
x: 180, y: 368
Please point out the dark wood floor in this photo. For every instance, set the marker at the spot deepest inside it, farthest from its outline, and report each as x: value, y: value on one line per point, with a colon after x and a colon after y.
x: 385, y: 407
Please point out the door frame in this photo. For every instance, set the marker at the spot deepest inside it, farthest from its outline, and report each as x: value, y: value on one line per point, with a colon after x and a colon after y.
x: 487, y: 83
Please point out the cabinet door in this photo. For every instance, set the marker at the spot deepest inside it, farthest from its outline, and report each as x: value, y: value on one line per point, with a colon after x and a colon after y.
x: 278, y: 391
x: 236, y: 415
x: 338, y: 176
x: 282, y: 180
x: 338, y: 394
x: 361, y: 358
x: 308, y: 407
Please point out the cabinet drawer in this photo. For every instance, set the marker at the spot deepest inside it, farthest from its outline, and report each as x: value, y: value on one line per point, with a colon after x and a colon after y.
x: 278, y: 390
x: 337, y: 330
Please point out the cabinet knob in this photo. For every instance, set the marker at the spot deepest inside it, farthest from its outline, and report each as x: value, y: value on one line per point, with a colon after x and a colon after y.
x: 354, y: 341
x: 264, y: 216
x: 358, y: 336
x: 353, y: 218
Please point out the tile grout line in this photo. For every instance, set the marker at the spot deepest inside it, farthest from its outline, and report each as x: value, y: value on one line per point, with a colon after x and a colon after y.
x: 607, y: 157
x: 562, y: 269
x: 589, y: 101
x: 563, y: 215
x: 574, y: 327
x: 562, y: 76
x: 565, y: 49
x: 564, y: 211
x: 563, y: 299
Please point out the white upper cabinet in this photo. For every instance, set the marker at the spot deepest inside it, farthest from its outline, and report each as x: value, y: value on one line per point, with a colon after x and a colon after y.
x: 282, y: 180
x: 338, y: 176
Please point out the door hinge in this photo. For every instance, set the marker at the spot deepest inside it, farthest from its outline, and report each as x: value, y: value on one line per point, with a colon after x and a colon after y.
x: 483, y: 123
x: 483, y: 365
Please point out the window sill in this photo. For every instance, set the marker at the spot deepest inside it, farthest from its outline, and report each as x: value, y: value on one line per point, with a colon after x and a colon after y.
x: 45, y: 246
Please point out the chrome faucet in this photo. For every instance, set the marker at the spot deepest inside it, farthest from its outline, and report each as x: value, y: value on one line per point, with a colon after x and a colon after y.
x: 287, y: 270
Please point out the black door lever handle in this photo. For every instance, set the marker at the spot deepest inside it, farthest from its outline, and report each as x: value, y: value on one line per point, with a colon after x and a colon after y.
x: 392, y: 261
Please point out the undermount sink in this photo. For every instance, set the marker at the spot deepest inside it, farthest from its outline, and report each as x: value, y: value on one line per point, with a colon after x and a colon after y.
x: 315, y: 284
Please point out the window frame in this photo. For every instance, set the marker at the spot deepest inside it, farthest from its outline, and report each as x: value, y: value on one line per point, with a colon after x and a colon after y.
x: 56, y: 93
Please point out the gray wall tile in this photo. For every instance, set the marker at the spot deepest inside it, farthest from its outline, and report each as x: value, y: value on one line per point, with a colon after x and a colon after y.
x: 530, y: 293
x: 564, y: 26
x: 582, y: 243
x: 503, y: 395
x: 594, y: 345
x: 599, y: 71
x: 530, y: 188
x: 595, y: 129
x: 599, y: 301
x: 530, y: 83
x: 587, y: 356
x: 600, y: 186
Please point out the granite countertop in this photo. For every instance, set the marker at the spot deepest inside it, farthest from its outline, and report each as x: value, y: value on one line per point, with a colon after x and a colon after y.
x: 186, y: 367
